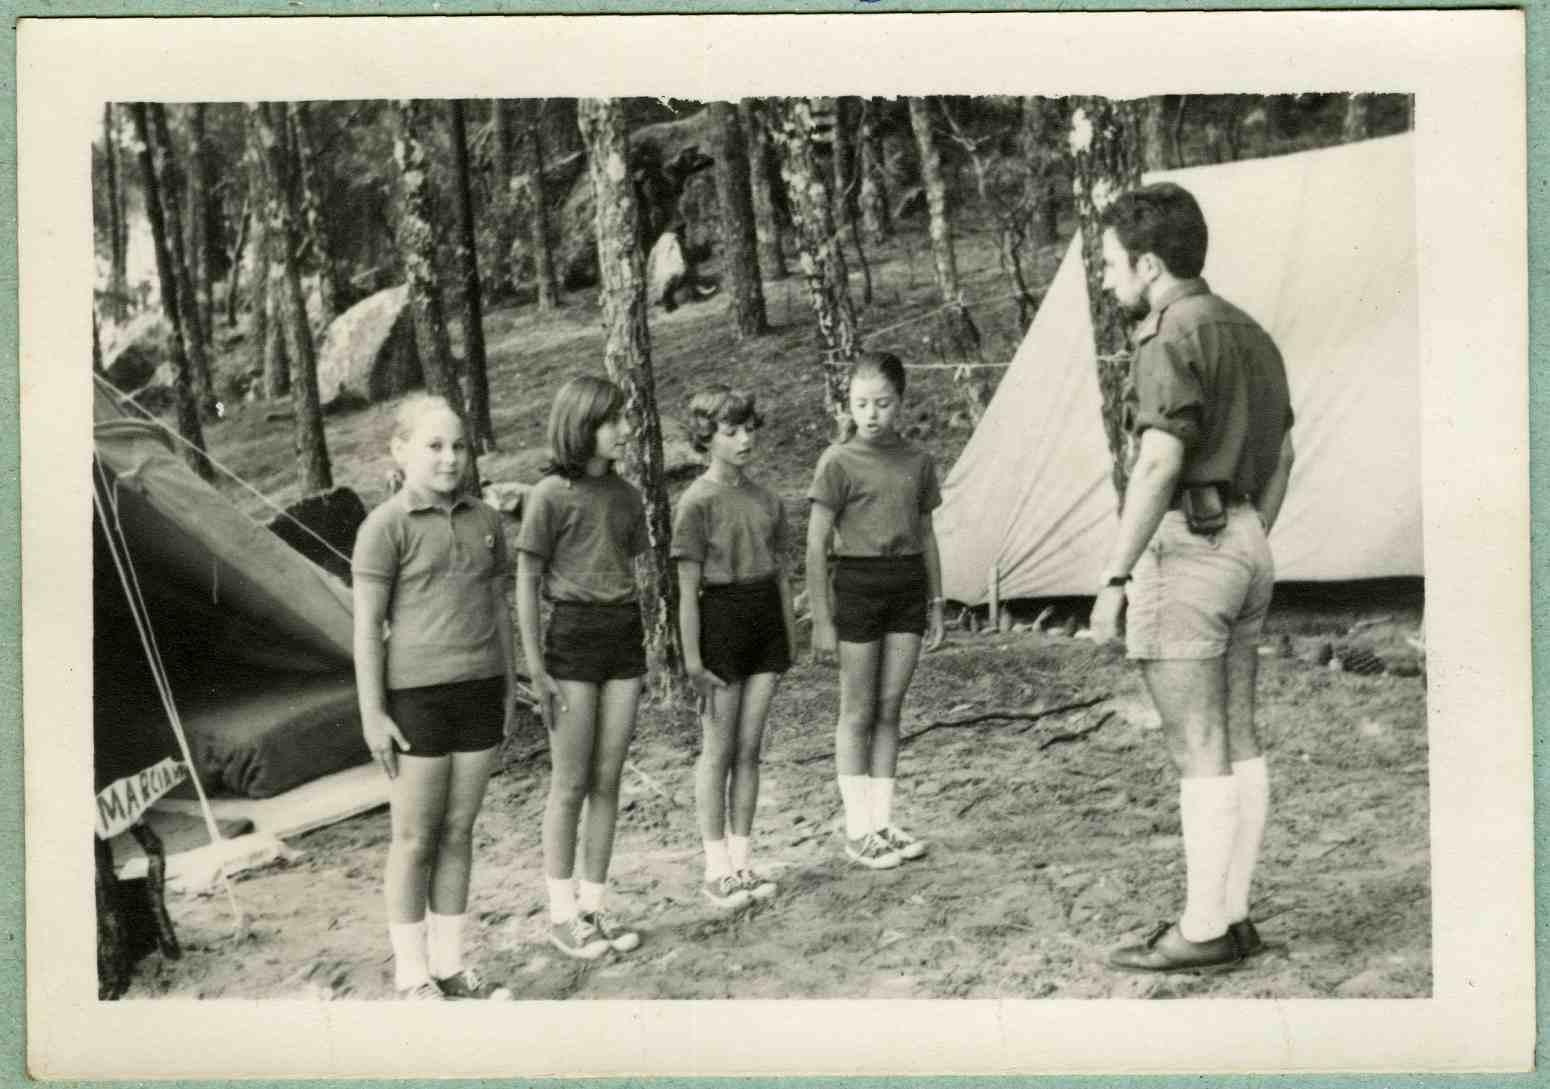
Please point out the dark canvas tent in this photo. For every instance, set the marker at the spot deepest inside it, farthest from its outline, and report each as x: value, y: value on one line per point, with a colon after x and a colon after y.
x: 254, y: 638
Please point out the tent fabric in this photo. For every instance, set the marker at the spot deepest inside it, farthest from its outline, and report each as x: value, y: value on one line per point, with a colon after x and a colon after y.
x: 249, y: 631
x: 1319, y: 247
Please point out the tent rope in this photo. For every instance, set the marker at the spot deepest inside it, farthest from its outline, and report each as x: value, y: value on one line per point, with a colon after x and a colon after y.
x: 141, y: 615
x: 989, y: 299
x: 271, y: 504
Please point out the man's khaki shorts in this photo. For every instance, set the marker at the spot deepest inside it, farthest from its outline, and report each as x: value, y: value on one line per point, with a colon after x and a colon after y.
x: 1193, y: 596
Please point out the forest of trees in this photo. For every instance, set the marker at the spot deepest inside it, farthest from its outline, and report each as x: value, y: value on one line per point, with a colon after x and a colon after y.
x: 269, y: 221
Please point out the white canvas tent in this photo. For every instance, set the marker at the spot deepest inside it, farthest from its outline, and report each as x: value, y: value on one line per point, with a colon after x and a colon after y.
x: 1320, y: 248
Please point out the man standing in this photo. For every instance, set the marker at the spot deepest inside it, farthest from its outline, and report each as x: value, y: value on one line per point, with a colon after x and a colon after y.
x: 1210, y: 413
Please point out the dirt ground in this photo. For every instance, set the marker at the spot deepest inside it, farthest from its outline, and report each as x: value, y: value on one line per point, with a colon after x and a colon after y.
x: 1052, y: 840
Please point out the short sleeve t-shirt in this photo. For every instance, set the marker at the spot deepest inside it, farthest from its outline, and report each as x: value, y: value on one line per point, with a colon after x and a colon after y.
x: 442, y: 565
x: 587, y: 531
x: 736, y: 531
x: 882, y: 495
x: 1208, y: 374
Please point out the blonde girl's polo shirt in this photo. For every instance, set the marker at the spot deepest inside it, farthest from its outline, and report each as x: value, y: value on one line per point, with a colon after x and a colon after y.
x: 439, y: 563
x: 882, y: 495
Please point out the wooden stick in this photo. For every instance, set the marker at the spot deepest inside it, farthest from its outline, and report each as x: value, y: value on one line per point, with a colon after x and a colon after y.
x: 1077, y: 735
x: 995, y: 596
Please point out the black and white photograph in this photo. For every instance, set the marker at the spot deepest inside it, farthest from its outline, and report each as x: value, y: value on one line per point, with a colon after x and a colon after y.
x: 920, y: 555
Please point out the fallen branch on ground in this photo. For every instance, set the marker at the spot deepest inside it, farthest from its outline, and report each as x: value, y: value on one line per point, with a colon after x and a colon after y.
x: 1076, y: 735
x: 1029, y: 716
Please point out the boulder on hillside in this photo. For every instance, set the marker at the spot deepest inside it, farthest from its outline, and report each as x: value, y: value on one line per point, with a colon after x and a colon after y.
x: 131, y: 354
x: 369, y: 350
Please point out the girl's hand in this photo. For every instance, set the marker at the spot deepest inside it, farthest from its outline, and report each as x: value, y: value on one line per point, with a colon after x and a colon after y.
x: 936, y: 628
x: 551, y: 700
x: 381, y: 733
x: 509, y: 724
x: 824, y: 640
x: 705, y: 684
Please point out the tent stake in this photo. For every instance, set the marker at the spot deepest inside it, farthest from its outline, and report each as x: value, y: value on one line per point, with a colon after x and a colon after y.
x: 995, y: 597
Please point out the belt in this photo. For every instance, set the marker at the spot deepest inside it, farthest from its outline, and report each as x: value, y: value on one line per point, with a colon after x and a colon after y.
x: 1222, y: 487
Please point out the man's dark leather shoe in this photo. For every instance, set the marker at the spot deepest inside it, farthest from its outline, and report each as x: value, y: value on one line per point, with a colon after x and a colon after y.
x: 1167, y: 950
x: 1246, y: 937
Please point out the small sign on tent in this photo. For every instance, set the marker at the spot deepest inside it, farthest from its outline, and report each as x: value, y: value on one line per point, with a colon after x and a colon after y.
x: 122, y: 802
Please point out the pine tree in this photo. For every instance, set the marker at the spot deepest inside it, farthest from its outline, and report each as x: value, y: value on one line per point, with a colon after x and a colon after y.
x: 332, y: 291
x: 201, y: 230
x: 189, y: 424
x: 627, y: 357
x: 118, y: 285
x: 1105, y: 151
x: 819, y: 254
x: 739, y: 239
x: 1357, y: 123
x: 873, y: 196
x: 531, y: 187
x: 281, y: 234
x: 752, y: 113
x: 482, y: 438
x: 171, y: 183
x: 847, y: 199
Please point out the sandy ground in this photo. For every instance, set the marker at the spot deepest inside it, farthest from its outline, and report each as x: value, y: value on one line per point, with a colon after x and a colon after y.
x: 1047, y: 850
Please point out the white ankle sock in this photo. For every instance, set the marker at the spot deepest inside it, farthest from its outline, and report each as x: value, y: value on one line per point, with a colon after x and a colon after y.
x: 589, y: 896
x: 717, y: 862
x: 444, y: 942
x: 882, y: 802
x: 1253, y: 807
x: 410, y: 968
x: 739, y: 848
x: 562, y: 899
x: 856, y: 791
x: 1208, y: 811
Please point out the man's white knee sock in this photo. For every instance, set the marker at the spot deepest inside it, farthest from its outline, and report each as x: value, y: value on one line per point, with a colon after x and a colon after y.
x: 1208, y: 810
x: 1253, y: 806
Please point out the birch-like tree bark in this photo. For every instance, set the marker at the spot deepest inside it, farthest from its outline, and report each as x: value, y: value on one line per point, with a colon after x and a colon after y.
x: 189, y: 424
x: 739, y: 238
x: 818, y: 253
x: 1357, y: 124
x: 627, y: 357
x: 118, y: 280
x: 282, y: 235
x: 1104, y: 145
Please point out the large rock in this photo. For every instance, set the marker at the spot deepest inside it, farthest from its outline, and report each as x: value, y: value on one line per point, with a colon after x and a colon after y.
x: 369, y: 350
x: 663, y: 159
x: 134, y: 351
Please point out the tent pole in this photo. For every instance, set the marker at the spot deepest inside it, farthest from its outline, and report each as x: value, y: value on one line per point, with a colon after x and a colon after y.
x: 995, y: 597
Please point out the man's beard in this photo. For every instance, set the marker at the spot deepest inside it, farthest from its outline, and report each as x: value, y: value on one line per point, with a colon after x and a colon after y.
x: 1138, y: 310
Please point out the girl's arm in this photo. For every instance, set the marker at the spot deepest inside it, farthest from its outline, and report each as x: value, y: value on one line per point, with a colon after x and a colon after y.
x: 530, y: 572
x: 689, y: 627
x: 377, y: 729
x: 820, y: 522
x: 508, y: 651
x: 787, y: 610
x: 936, y: 631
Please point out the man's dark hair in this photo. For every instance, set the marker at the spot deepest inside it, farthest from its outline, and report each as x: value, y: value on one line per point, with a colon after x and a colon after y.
x: 1161, y: 219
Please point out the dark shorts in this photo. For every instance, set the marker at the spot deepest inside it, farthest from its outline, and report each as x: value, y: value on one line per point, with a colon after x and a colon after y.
x: 743, y: 630
x: 875, y: 595
x: 463, y: 716
x: 593, y: 642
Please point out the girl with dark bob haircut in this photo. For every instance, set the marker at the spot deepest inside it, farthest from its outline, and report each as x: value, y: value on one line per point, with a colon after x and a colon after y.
x: 717, y: 405
x: 581, y: 406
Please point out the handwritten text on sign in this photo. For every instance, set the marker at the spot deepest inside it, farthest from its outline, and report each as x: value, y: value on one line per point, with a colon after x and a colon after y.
x: 120, y: 804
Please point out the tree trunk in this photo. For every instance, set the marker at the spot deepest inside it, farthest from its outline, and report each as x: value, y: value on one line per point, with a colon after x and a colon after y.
x: 310, y: 224
x: 234, y: 265
x: 1105, y: 161
x: 171, y: 180
x: 96, y: 344
x: 265, y: 335
x: 627, y: 357
x: 772, y: 257
x: 545, y: 280
x: 285, y: 280
x: 118, y: 286
x: 819, y: 254
x: 189, y: 425
x: 201, y: 222
x: 277, y: 360
x: 958, y: 326
x: 874, y: 187
x: 502, y: 167
x: 845, y: 178
x: 739, y: 238
x: 1154, y: 129
x: 1176, y: 133
x: 417, y: 251
x: 482, y: 438
x: 1357, y: 123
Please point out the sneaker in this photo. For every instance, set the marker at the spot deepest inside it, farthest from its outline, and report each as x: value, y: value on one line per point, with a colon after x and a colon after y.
x: 872, y: 851
x: 907, y: 845
x: 726, y: 893
x: 578, y: 937
x: 470, y: 984
x: 621, y: 938
x: 760, y: 888
x: 421, y: 992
